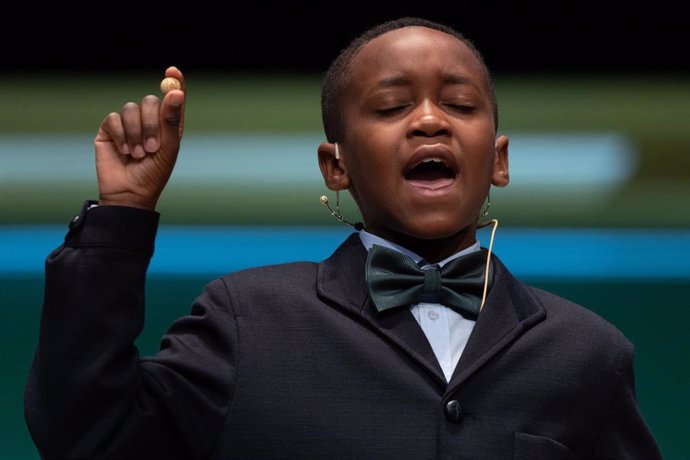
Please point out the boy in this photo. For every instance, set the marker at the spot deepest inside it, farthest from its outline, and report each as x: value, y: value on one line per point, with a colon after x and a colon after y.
x: 307, y: 360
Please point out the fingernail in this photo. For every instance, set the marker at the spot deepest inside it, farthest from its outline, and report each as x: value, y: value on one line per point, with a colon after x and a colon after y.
x: 139, y: 151
x: 124, y: 149
x: 151, y: 144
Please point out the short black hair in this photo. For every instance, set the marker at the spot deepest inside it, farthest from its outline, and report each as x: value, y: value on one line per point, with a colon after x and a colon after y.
x: 338, y: 74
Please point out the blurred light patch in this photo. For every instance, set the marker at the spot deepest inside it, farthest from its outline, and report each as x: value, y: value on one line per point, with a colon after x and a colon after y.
x: 577, y: 163
x: 572, y: 162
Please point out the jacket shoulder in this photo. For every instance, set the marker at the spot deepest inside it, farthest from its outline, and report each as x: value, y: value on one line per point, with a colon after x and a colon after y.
x: 578, y: 318
x: 272, y: 275
x: 270, y: 288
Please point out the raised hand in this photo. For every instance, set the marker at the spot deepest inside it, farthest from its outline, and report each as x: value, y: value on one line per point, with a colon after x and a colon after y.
x: 136, y: 148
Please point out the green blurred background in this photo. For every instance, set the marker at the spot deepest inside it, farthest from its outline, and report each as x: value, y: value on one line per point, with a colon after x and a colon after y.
x: 595, y: 99
x: 652, y: 113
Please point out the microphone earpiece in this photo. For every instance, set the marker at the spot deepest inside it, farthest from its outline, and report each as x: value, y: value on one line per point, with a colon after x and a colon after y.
x: 336, y: 213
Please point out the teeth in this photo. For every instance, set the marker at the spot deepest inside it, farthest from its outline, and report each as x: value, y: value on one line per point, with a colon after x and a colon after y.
x: 429, y: 160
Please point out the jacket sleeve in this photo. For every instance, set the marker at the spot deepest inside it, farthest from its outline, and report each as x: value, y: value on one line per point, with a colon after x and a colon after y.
x: 89, y: 395
x: 624, y: 433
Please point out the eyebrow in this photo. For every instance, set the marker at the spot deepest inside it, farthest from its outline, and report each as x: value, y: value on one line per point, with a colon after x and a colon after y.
x: 455, y: 79
x: 401, y: 80
x: 395, y: 80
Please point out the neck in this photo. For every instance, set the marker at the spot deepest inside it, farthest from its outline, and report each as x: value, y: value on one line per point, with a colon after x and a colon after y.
x: 434, y: 249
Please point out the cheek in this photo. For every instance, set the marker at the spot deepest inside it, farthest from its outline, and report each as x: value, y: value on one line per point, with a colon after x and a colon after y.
x: 372, y: 155
x: 480, y: 152
x: 371, y: 176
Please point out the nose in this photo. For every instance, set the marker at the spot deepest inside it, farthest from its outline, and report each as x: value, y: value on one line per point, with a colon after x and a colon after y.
x: 429, y: 121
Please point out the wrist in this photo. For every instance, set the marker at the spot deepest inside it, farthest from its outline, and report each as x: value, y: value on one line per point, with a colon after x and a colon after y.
x: 115, y: 226
x: 129, y: 201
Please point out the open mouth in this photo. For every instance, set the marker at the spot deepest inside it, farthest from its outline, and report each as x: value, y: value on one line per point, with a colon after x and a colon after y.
x: 431, y: 173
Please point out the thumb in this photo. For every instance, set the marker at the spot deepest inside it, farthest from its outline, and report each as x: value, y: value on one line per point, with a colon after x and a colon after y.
x: 171, y: 125
x: 172, y: 116
x: 173, y: 105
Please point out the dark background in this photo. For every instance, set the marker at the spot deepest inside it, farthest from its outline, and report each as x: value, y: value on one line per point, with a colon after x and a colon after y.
x: 300, y: 36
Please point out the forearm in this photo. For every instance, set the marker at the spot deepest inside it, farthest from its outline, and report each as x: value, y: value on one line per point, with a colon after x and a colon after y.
x: 84, y: 379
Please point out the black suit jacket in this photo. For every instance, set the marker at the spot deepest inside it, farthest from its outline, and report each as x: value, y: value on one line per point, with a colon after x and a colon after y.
x: 291, y: 361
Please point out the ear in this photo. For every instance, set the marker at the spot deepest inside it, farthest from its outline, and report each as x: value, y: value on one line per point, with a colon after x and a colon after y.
x: 500, y: 176
x: 333, y: 170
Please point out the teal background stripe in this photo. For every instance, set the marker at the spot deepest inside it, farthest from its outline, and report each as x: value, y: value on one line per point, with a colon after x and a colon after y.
x: 529, y: 252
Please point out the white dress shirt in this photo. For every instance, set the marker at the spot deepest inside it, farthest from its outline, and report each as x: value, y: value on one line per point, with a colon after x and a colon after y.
x: 446, y: 330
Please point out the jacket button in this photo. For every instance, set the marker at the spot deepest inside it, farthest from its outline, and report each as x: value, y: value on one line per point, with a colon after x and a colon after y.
x: 453, y: 411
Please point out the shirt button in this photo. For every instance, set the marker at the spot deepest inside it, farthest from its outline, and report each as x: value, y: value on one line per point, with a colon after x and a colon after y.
x: 453, y: 411
x: 433, y: 315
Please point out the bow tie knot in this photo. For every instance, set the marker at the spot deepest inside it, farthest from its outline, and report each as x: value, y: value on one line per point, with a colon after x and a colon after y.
x: 395, y: 280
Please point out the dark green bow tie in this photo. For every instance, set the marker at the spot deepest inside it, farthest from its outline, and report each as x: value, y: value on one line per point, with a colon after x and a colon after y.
x: 395, y: 280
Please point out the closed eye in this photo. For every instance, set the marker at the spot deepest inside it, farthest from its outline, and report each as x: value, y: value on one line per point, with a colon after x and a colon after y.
x: 460, y: 108
x: 391, y: 111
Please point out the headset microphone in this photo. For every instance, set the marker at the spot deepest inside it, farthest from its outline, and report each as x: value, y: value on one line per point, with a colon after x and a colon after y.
x: 336, y: 213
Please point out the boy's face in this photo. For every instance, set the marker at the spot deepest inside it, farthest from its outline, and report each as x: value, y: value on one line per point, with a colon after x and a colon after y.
x: 420, y: 150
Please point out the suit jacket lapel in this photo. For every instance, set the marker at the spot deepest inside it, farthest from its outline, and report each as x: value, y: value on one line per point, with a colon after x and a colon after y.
x: 340, y: 281
x: 510, y: 310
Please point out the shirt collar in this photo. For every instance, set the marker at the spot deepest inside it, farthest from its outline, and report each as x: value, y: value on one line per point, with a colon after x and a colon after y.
x: 369, y: 239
